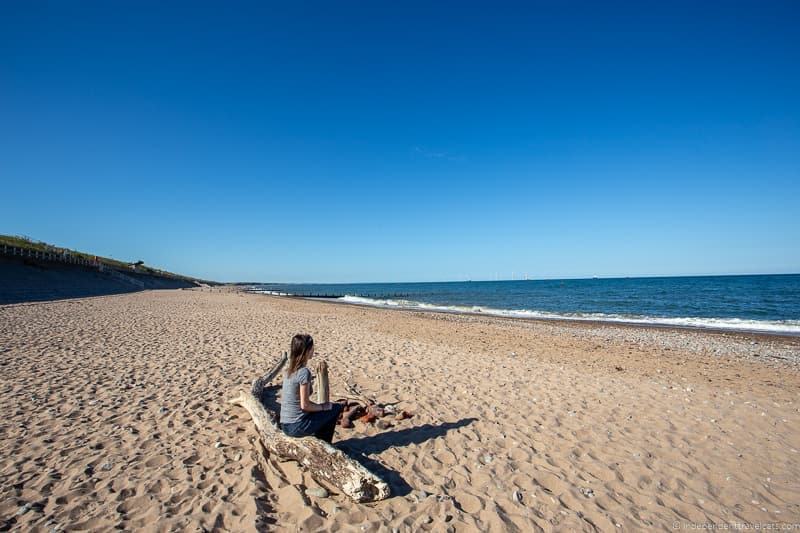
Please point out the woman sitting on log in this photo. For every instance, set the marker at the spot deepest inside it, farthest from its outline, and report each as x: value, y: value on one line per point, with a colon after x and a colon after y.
x: 301, y: 417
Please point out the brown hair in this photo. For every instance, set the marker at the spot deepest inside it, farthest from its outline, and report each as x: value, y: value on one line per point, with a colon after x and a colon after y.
x: 302, y: 344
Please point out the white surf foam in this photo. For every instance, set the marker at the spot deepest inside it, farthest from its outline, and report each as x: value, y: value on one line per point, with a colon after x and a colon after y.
x: 734, y: 324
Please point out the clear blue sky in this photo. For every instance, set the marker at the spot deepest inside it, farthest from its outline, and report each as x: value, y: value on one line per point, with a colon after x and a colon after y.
x: 395, y: 141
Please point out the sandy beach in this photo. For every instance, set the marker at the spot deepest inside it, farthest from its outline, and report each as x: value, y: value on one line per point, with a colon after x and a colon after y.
x: 115, y: 416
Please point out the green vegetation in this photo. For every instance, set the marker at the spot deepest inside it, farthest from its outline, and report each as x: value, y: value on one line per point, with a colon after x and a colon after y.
x: 137, y: 266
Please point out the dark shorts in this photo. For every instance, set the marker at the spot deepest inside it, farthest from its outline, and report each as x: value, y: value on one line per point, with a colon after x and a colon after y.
x: 320, y: 424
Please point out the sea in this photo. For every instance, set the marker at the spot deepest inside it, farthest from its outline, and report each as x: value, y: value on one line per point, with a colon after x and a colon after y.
x: 753, y: 303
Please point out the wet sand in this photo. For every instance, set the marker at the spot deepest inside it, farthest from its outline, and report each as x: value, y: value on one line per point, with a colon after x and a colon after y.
x: 115, y: 416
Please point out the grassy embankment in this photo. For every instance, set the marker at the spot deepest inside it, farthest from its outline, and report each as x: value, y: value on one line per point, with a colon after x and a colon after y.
x: 141, y: 268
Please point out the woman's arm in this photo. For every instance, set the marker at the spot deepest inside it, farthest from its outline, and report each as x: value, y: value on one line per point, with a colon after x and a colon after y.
x: 307, y: 405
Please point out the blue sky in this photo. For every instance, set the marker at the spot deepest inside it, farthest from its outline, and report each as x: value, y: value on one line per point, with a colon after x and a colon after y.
x: 406, y: 141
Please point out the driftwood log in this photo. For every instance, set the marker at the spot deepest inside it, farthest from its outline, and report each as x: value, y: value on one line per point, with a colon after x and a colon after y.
x: 324, y: 462
x: 323, y: 388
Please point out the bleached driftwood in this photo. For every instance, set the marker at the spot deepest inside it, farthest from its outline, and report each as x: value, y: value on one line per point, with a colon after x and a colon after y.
x: 324, y: 462
x: 323, y: 389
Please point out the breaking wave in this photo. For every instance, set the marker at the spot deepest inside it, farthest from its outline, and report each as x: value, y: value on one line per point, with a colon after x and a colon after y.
x: 734, y: 324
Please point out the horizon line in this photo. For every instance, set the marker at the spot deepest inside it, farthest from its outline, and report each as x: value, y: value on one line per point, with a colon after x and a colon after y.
x: 653, y: 276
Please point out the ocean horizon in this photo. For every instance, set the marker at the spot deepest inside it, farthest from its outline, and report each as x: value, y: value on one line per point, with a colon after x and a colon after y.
x: 766, y: 303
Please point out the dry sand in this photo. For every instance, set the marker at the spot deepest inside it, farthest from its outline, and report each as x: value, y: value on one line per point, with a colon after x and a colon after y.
x: 112, y: 408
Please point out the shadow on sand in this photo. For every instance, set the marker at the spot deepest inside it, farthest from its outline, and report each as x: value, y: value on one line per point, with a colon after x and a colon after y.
x: 269, y: 399
x: 358, y: 447
x: 401, y: 437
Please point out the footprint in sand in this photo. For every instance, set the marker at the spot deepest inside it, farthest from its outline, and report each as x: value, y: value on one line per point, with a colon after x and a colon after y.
x: 159, y: 488
x: 158, y: 460
x: 134, y: 505
x: 519, y: 454
x: 551, y: 483
x: 192, y: 459
x: 467, y: 502
x: 445, y: 457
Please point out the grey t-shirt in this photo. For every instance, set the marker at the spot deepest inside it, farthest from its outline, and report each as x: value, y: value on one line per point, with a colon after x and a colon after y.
x: 290, y: 395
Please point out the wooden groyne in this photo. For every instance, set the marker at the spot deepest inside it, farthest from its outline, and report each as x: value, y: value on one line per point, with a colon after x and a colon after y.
x: 372, y: 296
x: 301, y: 294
